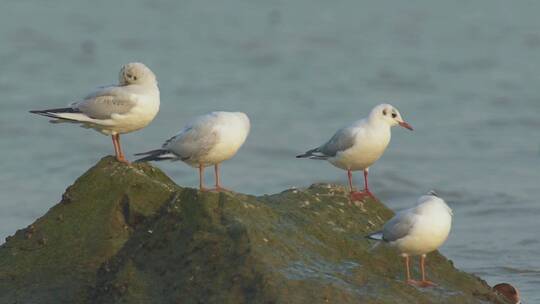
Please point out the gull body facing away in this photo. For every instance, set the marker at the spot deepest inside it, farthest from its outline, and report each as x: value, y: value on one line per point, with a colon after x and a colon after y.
x: 207, y: 141
x: 418, y: 231
x: 359, y: 145
x: 117, y: 109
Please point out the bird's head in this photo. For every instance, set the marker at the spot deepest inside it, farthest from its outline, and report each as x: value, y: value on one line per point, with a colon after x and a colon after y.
x: 433, y: 199
x: 388, y: 114
x: 136, y: 73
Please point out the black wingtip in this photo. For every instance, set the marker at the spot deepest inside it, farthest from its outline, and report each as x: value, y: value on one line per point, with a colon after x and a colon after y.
x: 377, y: 236
x: 151, y: 152
x: 39, y: 112
x: 154, y: 155
x: 43, y: 113
x: 144, y: 159
x: 306, y: 154
x: 309, y: 154
x: 57, y: 110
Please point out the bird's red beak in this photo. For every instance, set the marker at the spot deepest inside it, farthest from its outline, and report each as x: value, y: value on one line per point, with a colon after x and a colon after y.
x: 405, y: 125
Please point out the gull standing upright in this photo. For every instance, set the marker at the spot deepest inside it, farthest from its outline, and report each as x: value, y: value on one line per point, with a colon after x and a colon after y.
x: 117, y: 109
x: 418, y: 231
x: 358, y: 146
x: 208, y: 140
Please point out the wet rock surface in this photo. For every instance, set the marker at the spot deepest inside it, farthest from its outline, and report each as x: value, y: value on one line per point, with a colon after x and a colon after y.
x: 128, y: 234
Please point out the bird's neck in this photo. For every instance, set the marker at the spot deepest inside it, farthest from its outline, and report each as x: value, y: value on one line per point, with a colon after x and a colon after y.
x: 436, y: 207
x: 377, y: 123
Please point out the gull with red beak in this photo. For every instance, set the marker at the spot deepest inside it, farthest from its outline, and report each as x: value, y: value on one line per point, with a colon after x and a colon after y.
x: 358, y: 146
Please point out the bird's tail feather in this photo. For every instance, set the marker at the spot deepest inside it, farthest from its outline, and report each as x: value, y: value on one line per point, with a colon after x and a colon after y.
x: 156, y: 155
x: 311, y: 154
x: 378, y: 236
x: 69, y: 114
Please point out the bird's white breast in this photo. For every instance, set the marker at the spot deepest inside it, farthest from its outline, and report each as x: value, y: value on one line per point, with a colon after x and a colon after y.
x: 431, y: 229
x: 232, y: 130
x: 145, y: 110
x: 370, y: 144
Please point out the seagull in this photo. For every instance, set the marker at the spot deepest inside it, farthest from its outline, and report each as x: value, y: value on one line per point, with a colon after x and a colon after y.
x: 358, y: 146
x: 207, y: 141
x: 117, y: 109
x: 418, y: 231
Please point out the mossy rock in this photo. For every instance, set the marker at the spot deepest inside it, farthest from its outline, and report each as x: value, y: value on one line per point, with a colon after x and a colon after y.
x: 55, y: 260
x: 128, y: 234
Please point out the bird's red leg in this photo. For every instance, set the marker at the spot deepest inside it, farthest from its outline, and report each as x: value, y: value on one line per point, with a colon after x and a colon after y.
x: 201, y: 178
x: 424, y: 282
x: 366, y: 187
x: 408, y: 270
x: 218, y: 181
x: 116, y: 147
x: 119, y: 154
x: 356, y: 195
x: 349, y: 175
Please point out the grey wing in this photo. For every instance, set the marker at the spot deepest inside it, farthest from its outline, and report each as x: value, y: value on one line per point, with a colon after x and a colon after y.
x: 103, y: 103
x: 194, y: 140
x: 341, y: 141
x: 399, y: 226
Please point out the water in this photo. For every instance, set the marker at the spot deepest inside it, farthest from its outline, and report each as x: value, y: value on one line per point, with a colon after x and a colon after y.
x: 464, y: 74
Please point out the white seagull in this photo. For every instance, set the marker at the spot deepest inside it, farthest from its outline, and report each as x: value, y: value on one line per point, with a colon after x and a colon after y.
x: 418, y: 231
x: 208, y: 140
x: 358, y: 146
x: 117, y: 109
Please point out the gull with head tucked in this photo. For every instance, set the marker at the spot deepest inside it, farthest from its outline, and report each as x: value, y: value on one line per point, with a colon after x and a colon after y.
x: 358, y: 146
x: 117, y: 109
x: 207, y: 141
x: 418, y: 231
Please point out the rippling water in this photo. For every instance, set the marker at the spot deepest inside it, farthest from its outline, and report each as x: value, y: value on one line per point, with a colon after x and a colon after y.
x: 464, y: 74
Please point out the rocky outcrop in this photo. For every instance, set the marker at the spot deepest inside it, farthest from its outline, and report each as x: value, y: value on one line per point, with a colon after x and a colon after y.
x: 128, y: 234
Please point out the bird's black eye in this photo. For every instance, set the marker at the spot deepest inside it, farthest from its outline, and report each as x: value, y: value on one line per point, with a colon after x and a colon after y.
x: 394, y: 115
x: 384, y: 112
x: 134, y: 77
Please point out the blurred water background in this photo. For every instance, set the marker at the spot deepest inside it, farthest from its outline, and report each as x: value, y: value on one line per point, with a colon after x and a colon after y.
x: 465, y: 74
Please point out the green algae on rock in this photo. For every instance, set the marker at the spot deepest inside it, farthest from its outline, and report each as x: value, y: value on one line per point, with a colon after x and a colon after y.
x: 56, y: 258
x: 128, y: 234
